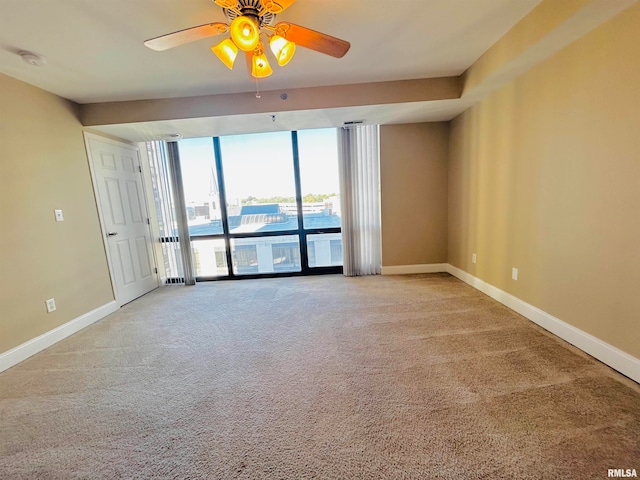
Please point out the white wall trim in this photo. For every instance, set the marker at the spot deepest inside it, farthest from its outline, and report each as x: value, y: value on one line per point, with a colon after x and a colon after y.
x: 22, y: 352
x: 420, y: 268
x: 606, y: 353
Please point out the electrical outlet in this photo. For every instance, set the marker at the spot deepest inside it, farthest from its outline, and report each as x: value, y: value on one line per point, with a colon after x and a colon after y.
x: 51, y: 305
x: 514, y: 273
x: 59, y: 216
x: 473, y: 258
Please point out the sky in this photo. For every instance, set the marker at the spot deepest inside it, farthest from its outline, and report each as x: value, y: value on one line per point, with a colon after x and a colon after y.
x: 261, y: 165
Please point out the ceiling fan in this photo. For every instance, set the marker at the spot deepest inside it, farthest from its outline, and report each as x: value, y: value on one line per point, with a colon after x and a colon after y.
x: 249, y: 22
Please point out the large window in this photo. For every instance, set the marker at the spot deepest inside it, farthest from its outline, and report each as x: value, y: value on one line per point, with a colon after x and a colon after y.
x: 263, y: 204
x: 259, y: 182
x: 201, y: 189
x: 319, y: 178
x: 324, y: 249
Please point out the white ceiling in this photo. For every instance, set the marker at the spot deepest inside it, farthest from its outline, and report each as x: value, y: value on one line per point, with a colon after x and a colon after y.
x: 95, y: 53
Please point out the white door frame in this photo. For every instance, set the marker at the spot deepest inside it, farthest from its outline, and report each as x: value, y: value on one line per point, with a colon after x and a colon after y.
x: 87, y: 137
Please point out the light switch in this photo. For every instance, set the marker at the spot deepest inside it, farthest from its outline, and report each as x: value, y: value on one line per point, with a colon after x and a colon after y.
x: 59, y: 217
x: 51, y: 305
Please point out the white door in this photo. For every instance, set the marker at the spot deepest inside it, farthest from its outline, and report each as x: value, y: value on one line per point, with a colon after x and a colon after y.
x: 119, y: 189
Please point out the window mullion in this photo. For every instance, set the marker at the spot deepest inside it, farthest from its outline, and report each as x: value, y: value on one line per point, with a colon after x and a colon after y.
x: 223, y: 204
x: 296, y: 173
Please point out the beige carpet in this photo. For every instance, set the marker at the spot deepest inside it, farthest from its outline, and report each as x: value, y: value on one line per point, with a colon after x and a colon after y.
x: 413, y: 377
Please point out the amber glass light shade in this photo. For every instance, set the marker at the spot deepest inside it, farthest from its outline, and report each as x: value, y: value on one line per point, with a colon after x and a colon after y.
x: 226, y: 51
x: 260, y: 67
x: 282, y: 48
x: 245, y: 33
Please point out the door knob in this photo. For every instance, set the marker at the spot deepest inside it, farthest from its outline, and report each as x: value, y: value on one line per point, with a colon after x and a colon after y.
x: 112, y: 234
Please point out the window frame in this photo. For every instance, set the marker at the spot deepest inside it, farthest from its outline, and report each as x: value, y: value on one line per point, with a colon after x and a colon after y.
x: 227, y: 236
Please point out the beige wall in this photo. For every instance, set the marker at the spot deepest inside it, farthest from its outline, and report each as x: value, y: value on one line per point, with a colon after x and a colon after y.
x: 43, y: 166
x: 413, y: 189
x: 298, y: 99
x: 544, y: 176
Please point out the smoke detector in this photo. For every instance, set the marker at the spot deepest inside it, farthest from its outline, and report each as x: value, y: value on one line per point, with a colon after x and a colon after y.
x: 170, y: 137
x: 32, y: 59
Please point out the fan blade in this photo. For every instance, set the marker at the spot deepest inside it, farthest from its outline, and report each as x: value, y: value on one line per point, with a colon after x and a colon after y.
x: 276, y: 6
x: 187, y: 35
x: 320, y: 42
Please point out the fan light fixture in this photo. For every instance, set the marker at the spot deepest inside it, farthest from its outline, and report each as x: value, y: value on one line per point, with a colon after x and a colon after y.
x: 260, y: 67
x: 245, y: 33
x: 226, y: 51
x: 282, y: 48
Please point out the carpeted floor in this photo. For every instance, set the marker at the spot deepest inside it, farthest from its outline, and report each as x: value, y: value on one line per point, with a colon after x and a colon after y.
x: 400, y: 377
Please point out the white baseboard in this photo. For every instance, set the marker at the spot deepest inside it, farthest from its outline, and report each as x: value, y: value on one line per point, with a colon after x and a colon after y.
x: 606, y: 353
x: 409, y: 269
x: 22, y: 352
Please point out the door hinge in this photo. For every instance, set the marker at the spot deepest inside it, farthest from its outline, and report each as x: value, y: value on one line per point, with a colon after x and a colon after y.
x: 148, y: 221
x: 140, y: 168
x: 155, y: 270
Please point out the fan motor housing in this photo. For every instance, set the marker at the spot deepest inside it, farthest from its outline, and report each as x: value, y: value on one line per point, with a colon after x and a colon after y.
x: 251, y: 8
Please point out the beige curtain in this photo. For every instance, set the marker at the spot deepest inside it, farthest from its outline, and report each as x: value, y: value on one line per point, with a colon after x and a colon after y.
x: 360, y: 199
x: 181, y: 213
x: 166, y: 179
